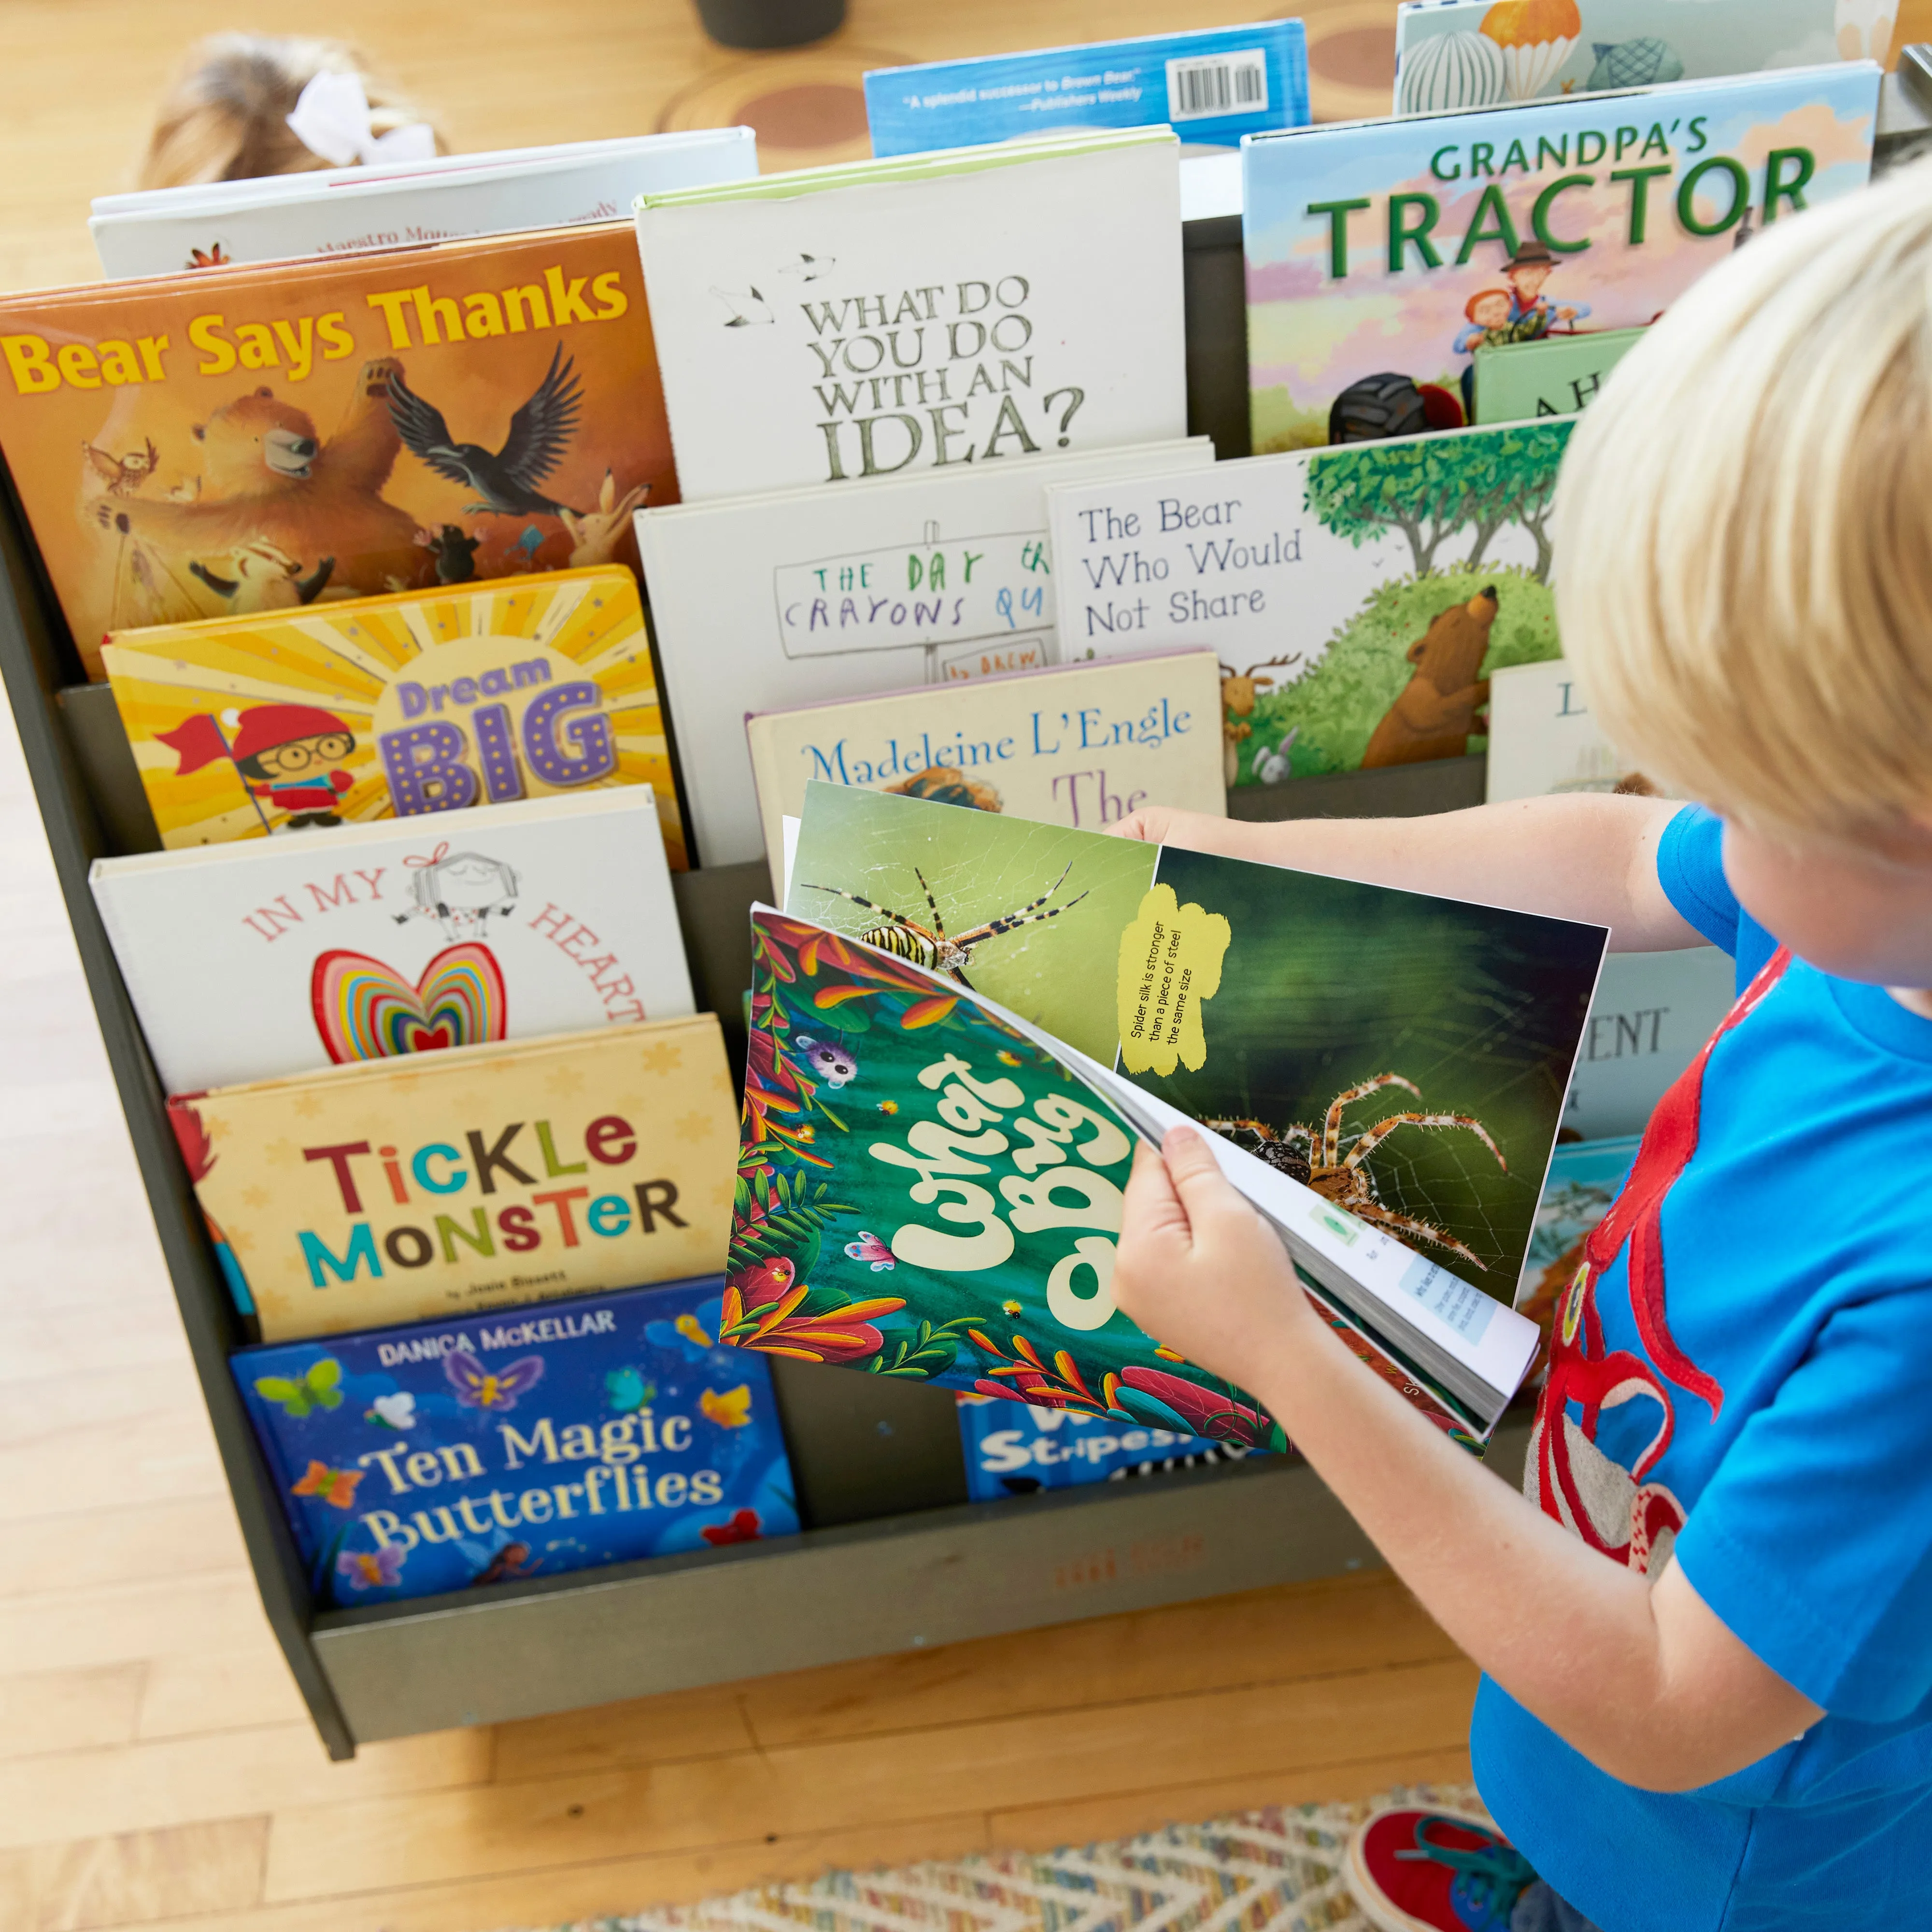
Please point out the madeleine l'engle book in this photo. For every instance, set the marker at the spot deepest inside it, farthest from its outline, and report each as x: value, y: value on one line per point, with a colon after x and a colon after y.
x: 270, y: 439
x: 470, y: 1178
x: 1380, y: 254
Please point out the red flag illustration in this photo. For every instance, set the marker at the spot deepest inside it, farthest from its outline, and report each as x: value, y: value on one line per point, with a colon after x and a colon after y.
x: 198, y: 742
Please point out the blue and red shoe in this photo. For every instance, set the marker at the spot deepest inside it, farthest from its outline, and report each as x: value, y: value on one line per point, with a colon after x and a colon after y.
x: 1414, y: 1870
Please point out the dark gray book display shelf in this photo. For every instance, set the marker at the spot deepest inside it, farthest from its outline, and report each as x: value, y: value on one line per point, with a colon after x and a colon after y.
x: 893, y: 1557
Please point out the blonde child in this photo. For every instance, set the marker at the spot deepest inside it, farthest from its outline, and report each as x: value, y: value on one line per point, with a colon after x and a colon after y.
x: 1707, y: 1632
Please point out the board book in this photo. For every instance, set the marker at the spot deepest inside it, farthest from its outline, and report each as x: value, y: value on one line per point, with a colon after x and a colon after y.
x: 802, y: 596
x: 1359, y: 597
x: 451, y: 1455
x: 245, y: 440
x: 472, y: 1178
x: 877, y: 318
x: 1085, y: 746
x: 1561, y: 375
x: 1018, y: 1449
x: 250, y: 960
x: 1651, y: 1015
x: 339, y: 211
x: 1380, y: 254
x: 389, y: 707
x: 1457, y: 54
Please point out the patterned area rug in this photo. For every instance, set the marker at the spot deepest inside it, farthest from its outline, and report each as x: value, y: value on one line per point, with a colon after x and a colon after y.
x: 1274, y: 1870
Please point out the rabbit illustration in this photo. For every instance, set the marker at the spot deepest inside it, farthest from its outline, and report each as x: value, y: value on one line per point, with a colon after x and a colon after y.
x: 595, y: 534
x: 1272, y: 767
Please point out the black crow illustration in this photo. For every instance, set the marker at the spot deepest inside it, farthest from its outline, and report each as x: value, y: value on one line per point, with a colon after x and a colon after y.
x: 505, y: 481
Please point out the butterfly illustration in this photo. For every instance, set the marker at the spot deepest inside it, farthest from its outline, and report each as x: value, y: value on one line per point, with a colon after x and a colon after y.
x: 731, y: 1410
x: 372, y: 1569
x: 478, y: 1388
x: 392, y: 1412
x: 686, y: 1335
x: 628, y: 1390
x: 745, y: 1527
x: 869, y: 1248
x: 336, y: 1487
x: 320, y: 1388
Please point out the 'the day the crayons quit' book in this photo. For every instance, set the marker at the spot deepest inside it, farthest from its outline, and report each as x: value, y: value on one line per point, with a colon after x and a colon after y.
x: 451, y: 1455
x: 284, y: 955
x: 1381, y: 254
x: 1084, y: 746
x: 422, y: 702
x: 237, y: 441
x: 472, y: 1178
x: 1360, y: 596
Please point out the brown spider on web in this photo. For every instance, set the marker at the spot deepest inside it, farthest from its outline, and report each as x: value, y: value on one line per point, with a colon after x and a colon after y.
x: 931, y: 947
x: 1344, y: 1179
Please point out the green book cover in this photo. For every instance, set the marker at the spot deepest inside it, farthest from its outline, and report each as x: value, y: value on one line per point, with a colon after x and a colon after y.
x: 1557, y: 377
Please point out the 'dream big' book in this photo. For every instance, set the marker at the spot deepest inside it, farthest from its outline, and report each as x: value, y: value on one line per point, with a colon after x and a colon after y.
x: 239, y: 441
x: 1381, y: 254
x: 453, y: 1454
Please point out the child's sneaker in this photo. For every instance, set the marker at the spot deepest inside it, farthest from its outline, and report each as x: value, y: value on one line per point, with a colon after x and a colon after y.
x: 1417, y: 1870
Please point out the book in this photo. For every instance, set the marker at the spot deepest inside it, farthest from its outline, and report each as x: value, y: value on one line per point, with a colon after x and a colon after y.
x: 877, y: 318
x: 472, y: 1178
x: 1380, y: 254
x: 247, y: 961
x: 1085, y: 746
x: 387, y: 707
x: 1017, y: 1449
x: 1558, y: 376
x: 1359, y: 597
x: 339, y: 211
x: 1585, y: 1177
x: 1651, y: 1015
x: 856, y: 1240
x: 1211, y: 84
x: 451, y: 1455
x: 233, y: 442
x: 1543, y: 739
x: 1455, y: 54
x: 764, y: 602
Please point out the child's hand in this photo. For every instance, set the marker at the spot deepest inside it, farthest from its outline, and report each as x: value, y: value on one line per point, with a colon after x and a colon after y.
x: 1199, y: 1269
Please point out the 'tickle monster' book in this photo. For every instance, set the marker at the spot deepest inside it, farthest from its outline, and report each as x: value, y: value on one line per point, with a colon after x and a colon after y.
x: 386, y: 1190
x: 289, y: 722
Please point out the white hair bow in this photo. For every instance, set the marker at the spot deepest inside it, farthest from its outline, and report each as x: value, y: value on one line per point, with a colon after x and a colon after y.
x: 331, y: 119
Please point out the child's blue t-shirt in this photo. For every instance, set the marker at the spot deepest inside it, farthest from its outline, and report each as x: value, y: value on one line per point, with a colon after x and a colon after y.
x: 1756, y: 1407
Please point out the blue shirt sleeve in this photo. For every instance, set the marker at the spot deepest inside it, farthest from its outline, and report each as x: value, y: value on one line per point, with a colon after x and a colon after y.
x: 1691, y: 869
x: 1812, y: 1543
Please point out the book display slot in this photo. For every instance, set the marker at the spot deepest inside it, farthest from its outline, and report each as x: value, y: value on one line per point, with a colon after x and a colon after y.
x: 843, y: 1519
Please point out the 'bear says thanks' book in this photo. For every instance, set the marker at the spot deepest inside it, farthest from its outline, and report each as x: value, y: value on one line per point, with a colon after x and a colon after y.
x: 452, y: 1454
x: 237, y: 441
x: 469, y: 1179
x: 387, y: 707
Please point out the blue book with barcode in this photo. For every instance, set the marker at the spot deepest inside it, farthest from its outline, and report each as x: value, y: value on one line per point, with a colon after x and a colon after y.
x: 1211, y: 86
x: 527, y: 1442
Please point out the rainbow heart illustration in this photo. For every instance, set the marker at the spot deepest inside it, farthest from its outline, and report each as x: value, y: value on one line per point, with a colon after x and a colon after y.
x: 365, y: 1010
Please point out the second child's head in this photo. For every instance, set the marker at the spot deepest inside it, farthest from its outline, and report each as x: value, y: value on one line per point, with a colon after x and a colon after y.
x: 1489, y: 308
x: 1745, y: 571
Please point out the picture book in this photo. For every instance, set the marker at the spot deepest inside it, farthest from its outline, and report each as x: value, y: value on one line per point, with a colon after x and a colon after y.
x: 1017, y: 1449
x: 449, y: 1455
x: 1558, y: 376
x: 804, y: 596
x: 472, y: 1178
x: 1585, y: 1177
x: 1381, y: 254
x: 1456, y: 54
x: 880, y: 317
x: 1651, y: 1015
x: 1211, y: 84
x: 856, y: 1240
x: 339, y: 211
x: 1085, y: 746
x: 426, y: 701
x: 1359, y: 599
x: 1543, y: 739
x: 230, y: 442
x: 247, y: 961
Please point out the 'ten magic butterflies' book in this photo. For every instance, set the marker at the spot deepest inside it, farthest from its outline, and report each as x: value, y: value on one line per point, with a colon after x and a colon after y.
x: 283, y: 955
x: 472, y: 1178
x: 453, y: 1454
x: 423, y: 702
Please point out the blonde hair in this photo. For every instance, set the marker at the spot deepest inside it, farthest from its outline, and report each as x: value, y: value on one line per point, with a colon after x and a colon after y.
x: 226, y: 116
x: 1745, y: 528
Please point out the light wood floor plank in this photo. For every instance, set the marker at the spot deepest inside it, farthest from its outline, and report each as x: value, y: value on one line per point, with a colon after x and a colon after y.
x: 68, y: 1710
x: 138, y: 1877
x: 193, y: 1536
x: 235, y: 1691
x: 162, y: 1616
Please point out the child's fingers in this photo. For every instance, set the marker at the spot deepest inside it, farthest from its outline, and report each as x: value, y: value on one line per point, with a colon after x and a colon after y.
x: 1205, y: 1193
x: 1152, y: 1211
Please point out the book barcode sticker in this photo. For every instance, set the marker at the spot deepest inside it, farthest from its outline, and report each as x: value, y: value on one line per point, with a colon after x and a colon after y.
x: 1466, y: 1309
x: 1220, y: 84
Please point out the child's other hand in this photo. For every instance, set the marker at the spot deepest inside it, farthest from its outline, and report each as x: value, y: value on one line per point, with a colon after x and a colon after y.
x: 1199, y: 1269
